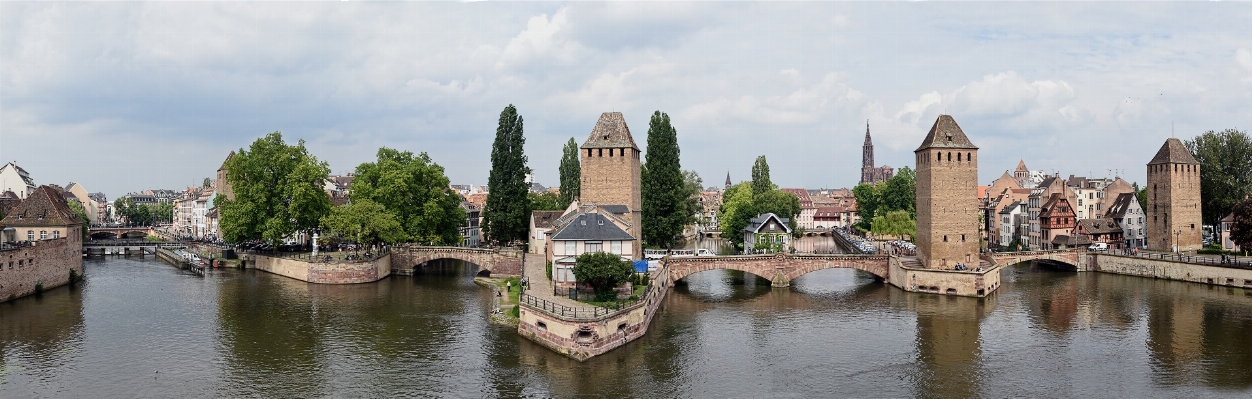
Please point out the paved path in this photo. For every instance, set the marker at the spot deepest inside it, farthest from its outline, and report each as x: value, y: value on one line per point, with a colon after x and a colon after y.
x: 540, y: 286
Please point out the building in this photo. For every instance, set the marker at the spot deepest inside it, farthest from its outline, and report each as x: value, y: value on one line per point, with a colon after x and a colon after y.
x: 1105, y: 231
x: 947, y: 207
x: 1127, y: 213
x: 767, y: 233
x: 610, y: 170
x: 220, y: 184
x: 1011, y: 224
x: 869, y: 173
x: 728, y: 181
x: 1040, y: 194
x: 1022, y: 174
x: 102, y: 206
x: 1173, y: 213
x: 587, y: 229
x: 1224, y: 227
x: 14, y: 178
x: 90, y: 206
x: 805, y: 219
x: 42, y: 244
x: 1056, y: 220
x: 540, y: 227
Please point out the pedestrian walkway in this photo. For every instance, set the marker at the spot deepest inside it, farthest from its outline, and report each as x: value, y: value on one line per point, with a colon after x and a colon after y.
x: 535, y: 271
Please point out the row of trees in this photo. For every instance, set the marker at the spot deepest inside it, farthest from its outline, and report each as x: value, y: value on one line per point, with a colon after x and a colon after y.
x: 279, y: 192
x: 746, y: 200
x: 142, y: 214
x: 1225, y: 171
x: 889, y: 207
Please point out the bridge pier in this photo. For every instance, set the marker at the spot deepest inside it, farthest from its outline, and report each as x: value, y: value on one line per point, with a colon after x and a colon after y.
x: 780, y: 280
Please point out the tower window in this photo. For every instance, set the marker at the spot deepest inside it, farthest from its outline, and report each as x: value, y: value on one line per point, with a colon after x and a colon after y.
x: 938, y: 156
x: 600, y: 152
x: 945, y: 238
x: 949, y: 157
x: 958, y: 157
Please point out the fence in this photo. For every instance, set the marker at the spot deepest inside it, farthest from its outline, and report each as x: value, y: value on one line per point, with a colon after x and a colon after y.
x: 1229, y: 261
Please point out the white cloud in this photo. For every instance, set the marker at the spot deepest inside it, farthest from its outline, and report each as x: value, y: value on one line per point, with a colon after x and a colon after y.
x: 539, y: 43
x: 1244, y: 58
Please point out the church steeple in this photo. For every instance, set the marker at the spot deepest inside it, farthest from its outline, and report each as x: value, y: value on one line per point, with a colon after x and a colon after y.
x: 727, y: 180
x: 867, y: 158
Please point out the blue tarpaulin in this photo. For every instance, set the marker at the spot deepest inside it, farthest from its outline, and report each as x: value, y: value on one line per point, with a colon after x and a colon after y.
x: 641, y: 266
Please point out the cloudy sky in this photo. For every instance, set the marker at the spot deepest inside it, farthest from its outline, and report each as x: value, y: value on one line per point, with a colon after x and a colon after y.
x: 124, y: 97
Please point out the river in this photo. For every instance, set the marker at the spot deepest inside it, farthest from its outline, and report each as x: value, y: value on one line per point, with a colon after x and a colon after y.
x: 141, y: 328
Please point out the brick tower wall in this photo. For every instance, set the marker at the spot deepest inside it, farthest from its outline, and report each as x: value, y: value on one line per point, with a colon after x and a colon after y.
x: 610, y: 176
x: 947, y: 207
x: 1173, y: 207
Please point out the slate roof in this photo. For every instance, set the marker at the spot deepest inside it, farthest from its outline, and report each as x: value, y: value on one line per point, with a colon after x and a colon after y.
x: 1230, y: 218
x: 618, y: 209
x: 46, y: 202
x: 946, y: 134
x: 592, y: 226
x: 1009, y: 209
x: 1100, y: 226
x: 610, y: 132
x: 544, y: 219
x: 1071, y: 241
x: 1173, y: 152
x: 1121, y: 205
x: 755, y: 223
x: 8, y: 200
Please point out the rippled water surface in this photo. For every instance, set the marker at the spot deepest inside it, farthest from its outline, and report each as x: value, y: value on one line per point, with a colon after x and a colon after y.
x: 140, y: 328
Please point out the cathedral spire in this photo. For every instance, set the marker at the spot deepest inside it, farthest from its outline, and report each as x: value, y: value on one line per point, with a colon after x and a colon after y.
x: 728, y: 180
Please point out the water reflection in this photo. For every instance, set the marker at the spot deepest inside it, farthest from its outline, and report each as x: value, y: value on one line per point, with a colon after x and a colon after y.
x: 40, y: 334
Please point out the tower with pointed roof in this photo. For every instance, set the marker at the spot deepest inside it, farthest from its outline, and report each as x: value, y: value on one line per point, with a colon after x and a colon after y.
x: 610, y: 169
x: 1173, y: 214
x: 947, y: 191
x: 867, y: 158
x: 727, y: 180
x: 1021, y: 174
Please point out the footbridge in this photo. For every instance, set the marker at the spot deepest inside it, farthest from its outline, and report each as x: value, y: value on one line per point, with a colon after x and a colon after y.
x: 780, y: 269
x: 495, y: 261
x: 1075, y: 257
x: 120, y: 232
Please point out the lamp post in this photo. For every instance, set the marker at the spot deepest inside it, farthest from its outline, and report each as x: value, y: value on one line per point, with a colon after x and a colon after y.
x: 1176, y: 234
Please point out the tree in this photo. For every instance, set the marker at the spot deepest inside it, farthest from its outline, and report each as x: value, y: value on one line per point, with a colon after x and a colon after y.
x: 365, y: 222
x: 506, y: 215
x: 868, y: 199
x: 571, y: 174
x: 694, y: 186
x: 1241, y: 229
x: 760, y: 176
x: 664, y: 197
x: 1225, y: 158
x: 548, y: 201
x: 415, y: 191
x: 897, y: 223
x: 737, y: 209
x: 278, y: 192
x: 208, y: 183
x: 81, y: 213
x: 1141, y: 194
x: 900, y: 193
x: 603, y: 271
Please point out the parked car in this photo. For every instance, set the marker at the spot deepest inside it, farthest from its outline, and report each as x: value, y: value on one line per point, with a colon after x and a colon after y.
x: 1099, y: 246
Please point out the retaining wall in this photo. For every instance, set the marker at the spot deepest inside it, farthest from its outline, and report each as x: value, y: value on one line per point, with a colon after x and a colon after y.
x: 324, y: 272
x: 949, y: 282
x: 46, y: 262
x: 1171, y: 270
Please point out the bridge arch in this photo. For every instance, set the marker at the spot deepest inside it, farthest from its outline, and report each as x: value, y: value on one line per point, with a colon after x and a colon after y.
x: 489, y: 261
x: 103, y: 235
x: 1071, y: 259
x: 780, y: 269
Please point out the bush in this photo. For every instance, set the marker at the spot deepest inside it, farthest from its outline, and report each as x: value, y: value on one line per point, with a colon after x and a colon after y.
x: 549, y: 270
x: 74, y: 277
x: 603, y: 271
x: 39, y: 289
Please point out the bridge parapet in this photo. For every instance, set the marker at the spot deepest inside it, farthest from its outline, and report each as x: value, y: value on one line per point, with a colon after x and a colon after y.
x: 1075, y: 257
x: 498, y: 261
x: 779, y: 268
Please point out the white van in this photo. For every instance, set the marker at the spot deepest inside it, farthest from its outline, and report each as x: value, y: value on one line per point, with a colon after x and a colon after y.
x: 1099, y: 246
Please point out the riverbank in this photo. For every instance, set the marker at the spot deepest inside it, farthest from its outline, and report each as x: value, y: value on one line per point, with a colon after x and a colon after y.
x: 504, y: 303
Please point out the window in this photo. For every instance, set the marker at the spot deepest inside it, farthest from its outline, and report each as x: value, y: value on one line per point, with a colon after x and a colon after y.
x: 43, y: 234
x: 593, y: 246
x: 569, y: 248
x: 945, y: 238
x: 56, y: 234
x: 617, y: 247
x: 30, y: 235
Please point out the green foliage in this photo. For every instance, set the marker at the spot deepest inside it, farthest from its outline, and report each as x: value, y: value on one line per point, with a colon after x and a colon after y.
x: 207, y: 183
x: 694, y: 186
x: 1241, y: 229
x: 414, y: 190
x: 897, y: 223
x: 1225, y: 161
x: 1141, y: 194
x: 506, y: 215
x: 760, y: 176
x: 365, y: 222
x: 548, y: 201
x: 74, y: 276
x: 664, y: 197
x: 602, y: 270
x: 38, y: 288
x: 79, y: 212
x: 571, y: 174
x: 548, y: 270
x: 278, y: 191
x: 900, y: 192
x: 142, y: 214
x: 868, y: 199
x: 736, y: 209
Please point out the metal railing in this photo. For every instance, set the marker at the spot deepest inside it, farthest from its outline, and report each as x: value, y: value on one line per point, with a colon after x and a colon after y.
x: 576, y: 312
x: 1231, y: 261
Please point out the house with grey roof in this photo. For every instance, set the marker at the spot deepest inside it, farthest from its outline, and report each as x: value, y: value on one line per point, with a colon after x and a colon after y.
x: 584, y: 229
x: 1130, y: 217
x: 767, y: 233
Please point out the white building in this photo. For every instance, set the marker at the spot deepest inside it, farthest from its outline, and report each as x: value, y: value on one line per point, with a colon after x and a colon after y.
x: 14, y: 178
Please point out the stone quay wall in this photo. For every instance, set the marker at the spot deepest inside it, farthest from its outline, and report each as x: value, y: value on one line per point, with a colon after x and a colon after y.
x: 584, y: 337
x: 1171, y: 270
x: 366, y: 271
x: 46, y: 262
x: 948, y: 282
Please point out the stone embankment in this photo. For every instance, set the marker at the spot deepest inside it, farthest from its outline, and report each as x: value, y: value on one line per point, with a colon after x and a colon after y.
x: 1171, y: 269
x: 335, y: 271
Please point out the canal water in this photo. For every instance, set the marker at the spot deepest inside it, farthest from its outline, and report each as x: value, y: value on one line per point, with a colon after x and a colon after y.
x: 140, y: 328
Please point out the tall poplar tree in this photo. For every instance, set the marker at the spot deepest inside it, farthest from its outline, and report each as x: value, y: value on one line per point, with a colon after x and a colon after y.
x: 760, y: 177
x: 664, y: 196
x: 507, y: 212
x: 571, y: 173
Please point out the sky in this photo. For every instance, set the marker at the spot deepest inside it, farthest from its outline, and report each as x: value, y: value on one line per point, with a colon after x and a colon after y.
x: 123, y: 97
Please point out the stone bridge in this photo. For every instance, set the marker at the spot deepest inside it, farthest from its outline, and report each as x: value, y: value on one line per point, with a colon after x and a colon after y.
x: 120, y: 232
x: 495, y: 261
x: 778, y: 268
x: 1076, y: 257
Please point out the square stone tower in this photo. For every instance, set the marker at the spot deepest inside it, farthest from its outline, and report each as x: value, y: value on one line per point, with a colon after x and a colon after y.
x: 1173, y: 199
x: 947, y: 197
x: 610, y: 170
